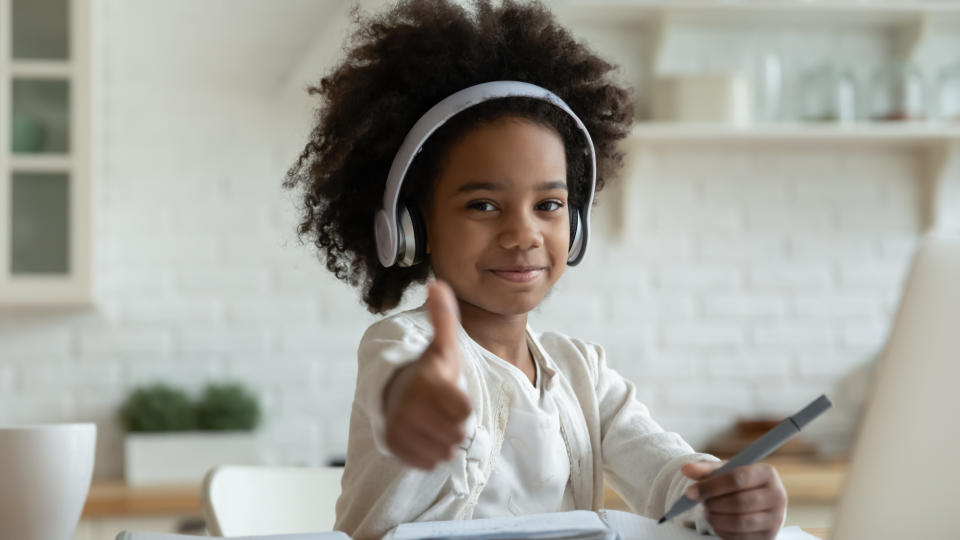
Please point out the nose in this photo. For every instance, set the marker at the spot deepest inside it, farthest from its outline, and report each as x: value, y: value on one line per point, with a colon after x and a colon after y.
x: 520, y: 230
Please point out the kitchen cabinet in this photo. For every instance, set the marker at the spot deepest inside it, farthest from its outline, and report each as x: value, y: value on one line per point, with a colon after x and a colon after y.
x: 44, y: 152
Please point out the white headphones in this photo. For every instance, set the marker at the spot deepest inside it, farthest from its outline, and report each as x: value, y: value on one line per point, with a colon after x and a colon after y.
x: 400, y: 231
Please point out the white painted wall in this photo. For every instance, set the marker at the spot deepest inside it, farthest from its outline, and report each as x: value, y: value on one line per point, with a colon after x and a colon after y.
x: 724, y: 281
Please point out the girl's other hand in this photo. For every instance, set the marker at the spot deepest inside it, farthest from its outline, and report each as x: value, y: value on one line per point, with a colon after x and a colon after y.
x: 425, y: 410
x: 746, y: 503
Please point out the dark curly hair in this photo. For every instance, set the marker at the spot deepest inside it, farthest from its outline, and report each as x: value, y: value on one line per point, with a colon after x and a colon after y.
x: 400, y: 63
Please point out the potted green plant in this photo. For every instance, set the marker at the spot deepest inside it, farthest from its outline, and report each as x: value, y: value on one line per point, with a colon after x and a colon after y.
x: 173, y: 439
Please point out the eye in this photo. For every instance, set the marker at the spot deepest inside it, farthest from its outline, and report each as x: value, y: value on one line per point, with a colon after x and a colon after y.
x: 550, y: 206
x: 481, y: 206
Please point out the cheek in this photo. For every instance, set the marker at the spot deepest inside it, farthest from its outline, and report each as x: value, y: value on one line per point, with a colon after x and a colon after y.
x: 558, y: 243
x: 456, y: 245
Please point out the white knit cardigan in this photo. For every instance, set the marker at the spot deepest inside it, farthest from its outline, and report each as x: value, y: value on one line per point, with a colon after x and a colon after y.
x: 608, y: 432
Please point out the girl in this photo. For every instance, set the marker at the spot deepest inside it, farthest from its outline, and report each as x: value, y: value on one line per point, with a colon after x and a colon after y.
x: 467, y: 146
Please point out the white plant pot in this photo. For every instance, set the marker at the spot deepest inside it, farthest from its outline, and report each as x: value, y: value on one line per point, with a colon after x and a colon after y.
x: 184, y: 457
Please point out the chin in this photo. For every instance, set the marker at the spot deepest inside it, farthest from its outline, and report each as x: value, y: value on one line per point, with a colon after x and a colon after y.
x: 516, y: 303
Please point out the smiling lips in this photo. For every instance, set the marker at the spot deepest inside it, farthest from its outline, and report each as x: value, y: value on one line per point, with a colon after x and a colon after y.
x: 518, y: 274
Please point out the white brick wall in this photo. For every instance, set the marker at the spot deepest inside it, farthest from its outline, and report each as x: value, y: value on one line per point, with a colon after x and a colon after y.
x: 750, y: 278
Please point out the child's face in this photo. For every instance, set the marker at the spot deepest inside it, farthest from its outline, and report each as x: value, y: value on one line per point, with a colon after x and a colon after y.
x: 498, y: 229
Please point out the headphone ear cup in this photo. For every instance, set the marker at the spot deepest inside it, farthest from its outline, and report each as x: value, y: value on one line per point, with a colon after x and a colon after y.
x: 574, y: 225
x: 420, y: 234
x: 412, y: 230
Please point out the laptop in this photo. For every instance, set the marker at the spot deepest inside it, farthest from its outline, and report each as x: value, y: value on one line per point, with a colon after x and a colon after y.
x: 904, y: 477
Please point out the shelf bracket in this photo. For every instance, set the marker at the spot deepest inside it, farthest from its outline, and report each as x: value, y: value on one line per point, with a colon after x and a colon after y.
x: 943, y: 189
x: 909, y: 38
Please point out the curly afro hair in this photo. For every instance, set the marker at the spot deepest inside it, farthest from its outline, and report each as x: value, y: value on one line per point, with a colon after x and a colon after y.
x: 400, y: 63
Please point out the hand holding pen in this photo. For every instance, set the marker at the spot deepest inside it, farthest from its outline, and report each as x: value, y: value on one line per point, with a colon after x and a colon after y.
x: 746, y: 502
x: 745, y: 499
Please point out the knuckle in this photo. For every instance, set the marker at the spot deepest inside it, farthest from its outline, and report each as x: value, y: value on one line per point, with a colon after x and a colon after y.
x: 740, y: 477
x: 720, y: 522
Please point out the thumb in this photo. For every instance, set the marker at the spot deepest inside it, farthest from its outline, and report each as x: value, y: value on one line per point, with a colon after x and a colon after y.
x: 700, y: 469
x: 444, y: 316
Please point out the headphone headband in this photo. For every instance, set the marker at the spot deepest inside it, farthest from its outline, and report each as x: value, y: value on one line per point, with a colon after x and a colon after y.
x: 385, y: 224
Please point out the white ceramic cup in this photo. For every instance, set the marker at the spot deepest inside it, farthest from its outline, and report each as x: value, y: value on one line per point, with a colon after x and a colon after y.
x: 45, y: 472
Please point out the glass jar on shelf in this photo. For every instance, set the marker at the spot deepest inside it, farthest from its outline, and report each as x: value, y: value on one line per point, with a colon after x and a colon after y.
x: 948, y: 93
x: 829, y: 93
x: 898, y: 93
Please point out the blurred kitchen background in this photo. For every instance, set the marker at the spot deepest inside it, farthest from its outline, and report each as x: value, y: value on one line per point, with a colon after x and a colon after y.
x: 786, y: 158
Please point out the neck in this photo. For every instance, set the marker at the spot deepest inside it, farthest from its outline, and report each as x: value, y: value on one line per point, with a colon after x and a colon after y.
x: 503, y: 335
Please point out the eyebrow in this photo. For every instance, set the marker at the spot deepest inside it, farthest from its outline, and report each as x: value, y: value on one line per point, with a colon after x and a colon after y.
x: 497, y: 186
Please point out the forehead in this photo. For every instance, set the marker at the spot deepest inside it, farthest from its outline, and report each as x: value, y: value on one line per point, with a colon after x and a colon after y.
x: 513, y: 151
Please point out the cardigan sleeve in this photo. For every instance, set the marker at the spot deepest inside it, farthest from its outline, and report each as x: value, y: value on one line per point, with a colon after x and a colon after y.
x: 641, y: 460
x: 386, y: 346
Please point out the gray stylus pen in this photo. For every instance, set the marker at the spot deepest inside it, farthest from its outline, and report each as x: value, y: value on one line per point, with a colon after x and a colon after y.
x: 760, y: 448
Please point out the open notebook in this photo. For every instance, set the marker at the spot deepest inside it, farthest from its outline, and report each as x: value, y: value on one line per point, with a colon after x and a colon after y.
x: 574, y: 525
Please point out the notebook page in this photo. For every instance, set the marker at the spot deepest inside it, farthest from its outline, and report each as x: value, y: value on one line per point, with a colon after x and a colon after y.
x: 577, y: 524
x: 632, y: 526
x: 636, y: 527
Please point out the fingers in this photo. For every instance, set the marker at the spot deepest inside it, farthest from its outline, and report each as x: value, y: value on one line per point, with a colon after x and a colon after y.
x: 451, y: 402
x: 738, y: 479
x: 745, y: 502
x: 440, y: 428
x: 742, y: 526
x: 700, y: 469
x: 417, y: 450
x: 428, y: 422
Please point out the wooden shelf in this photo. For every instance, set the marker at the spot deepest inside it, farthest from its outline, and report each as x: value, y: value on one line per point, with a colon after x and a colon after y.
x: 40, y: 163
x: 901, y: 133
x: 41, y: 69
x: 806, y: 482
x: 852, y: 12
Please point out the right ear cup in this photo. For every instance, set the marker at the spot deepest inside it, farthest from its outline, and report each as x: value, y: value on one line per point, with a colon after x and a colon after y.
x: 576, y: 234
x: 574, y: 224
x: 412, y: 230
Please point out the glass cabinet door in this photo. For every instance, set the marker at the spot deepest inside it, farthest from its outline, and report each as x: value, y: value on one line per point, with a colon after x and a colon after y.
x: 41, y: 29
x: 40, y: 224
x: 44, y: 152
x: 40, y: 116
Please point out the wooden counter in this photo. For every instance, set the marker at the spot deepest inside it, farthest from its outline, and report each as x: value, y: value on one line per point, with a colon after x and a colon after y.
x: 118, y: 499
x: 811, y: 482
x: 806, y: 481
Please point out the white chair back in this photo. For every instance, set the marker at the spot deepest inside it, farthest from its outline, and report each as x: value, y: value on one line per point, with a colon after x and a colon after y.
x: 242, y: 500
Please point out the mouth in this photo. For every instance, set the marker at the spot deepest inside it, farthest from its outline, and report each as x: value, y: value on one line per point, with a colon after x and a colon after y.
x: 519, y: 274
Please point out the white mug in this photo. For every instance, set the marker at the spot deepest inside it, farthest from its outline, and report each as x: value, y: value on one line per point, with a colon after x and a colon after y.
x: 45, y: 473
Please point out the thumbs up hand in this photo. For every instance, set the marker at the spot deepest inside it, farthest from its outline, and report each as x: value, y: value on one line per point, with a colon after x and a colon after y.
x: 425, y: 411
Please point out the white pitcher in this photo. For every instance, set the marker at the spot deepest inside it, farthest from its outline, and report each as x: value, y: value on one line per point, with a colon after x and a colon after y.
x: 45, y: 472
